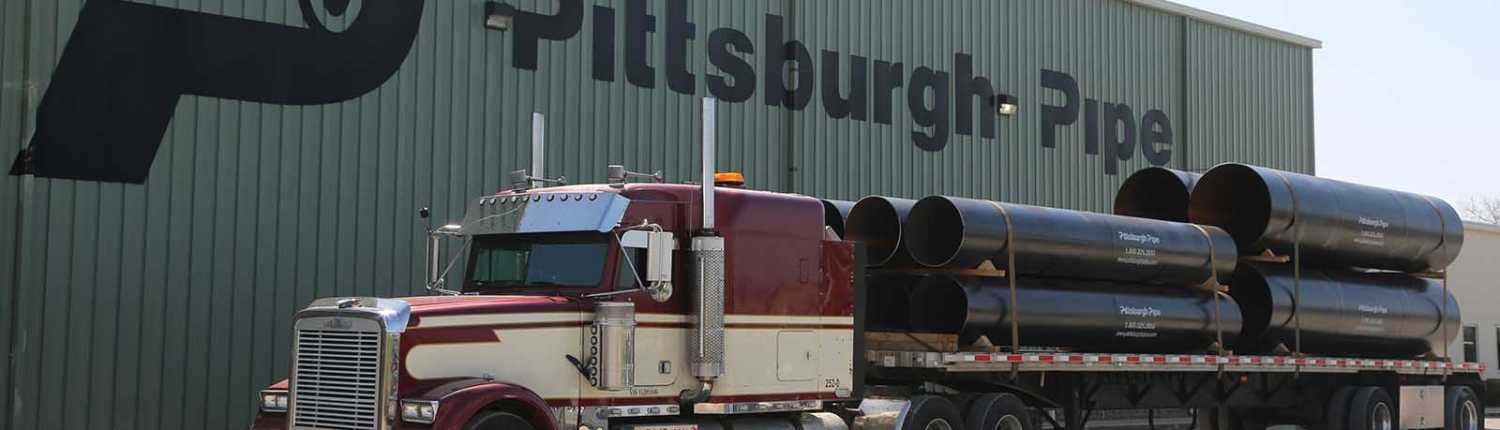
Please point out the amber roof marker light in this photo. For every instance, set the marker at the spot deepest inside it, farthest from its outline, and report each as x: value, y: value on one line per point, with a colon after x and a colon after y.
x: 729, y: 179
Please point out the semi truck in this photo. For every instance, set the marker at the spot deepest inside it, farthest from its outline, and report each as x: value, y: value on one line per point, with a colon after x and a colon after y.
x: 642, y: 305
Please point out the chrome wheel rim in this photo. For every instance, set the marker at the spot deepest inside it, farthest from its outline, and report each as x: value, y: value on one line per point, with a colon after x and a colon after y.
x: 1380, y: 418
x: 938, y: 424
x: 1008, y: 422
x: 1469, y: 418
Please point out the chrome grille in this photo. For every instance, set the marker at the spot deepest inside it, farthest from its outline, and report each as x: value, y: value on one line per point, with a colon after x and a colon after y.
x: 336, y: 380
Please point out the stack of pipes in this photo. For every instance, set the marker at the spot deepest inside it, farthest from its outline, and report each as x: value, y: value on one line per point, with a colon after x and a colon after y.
x: 1032, y: 276
x: 1331, y: 267
x: 1310, y: 266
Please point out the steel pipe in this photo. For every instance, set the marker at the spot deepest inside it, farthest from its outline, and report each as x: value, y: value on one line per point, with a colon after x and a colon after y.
x: 1341, y: 224
x: 877, y: 222
x: 887, y: 299
x: 1343, y: 312
x: 834, y: 214
x: 963, y: 233
x: 1077, y: 315
x: 1156, y: 193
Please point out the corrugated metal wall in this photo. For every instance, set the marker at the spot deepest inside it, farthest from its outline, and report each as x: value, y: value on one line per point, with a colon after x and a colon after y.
x: 165, y: 305
x: 1248, y: 97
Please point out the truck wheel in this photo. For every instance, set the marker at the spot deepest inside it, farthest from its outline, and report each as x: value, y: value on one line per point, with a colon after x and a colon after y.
x: 1370, y: 409
x: 998, y: 411
x: 494, y: 420
x: 1336, y: 412
x: 933, y: 413
x: 1461, y: 411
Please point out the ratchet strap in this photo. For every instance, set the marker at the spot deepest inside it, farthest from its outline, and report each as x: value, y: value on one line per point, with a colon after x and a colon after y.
x: 1010, y: 276
x: 1213, y: 286
x: 1296, y: 269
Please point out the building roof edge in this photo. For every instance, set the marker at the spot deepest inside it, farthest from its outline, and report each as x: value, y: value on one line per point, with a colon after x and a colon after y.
x: 1229, y: 22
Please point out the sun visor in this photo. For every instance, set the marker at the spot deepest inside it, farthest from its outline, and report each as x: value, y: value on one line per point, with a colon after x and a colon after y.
x: 544, y: 213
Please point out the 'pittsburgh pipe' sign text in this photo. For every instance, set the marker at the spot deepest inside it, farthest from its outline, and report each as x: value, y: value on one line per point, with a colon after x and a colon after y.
x: 928, y: 92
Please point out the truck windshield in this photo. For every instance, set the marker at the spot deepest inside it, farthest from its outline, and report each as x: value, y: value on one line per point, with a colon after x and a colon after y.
x: 561, y: 260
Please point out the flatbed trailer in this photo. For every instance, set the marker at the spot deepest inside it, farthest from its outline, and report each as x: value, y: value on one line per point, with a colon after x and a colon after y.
x: 1221, y: 391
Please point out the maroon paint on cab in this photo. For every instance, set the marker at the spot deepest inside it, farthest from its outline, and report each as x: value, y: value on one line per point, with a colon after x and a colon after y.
x: 460, y: 399
x: 778, y: 263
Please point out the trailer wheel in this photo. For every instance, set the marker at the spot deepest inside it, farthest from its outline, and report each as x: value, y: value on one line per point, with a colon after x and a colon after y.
x: 1336, y: 412
x: 1462, y: 409
x: 1371, y: 409
x: 933, y: 413
x: 999, y: 411
x: 494, y: 420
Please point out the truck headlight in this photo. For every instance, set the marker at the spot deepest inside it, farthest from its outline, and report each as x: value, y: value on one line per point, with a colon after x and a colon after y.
x: 273, y: 400
x: 419, y: 411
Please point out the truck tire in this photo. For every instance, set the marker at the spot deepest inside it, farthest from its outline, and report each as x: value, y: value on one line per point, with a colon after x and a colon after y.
x: 495, y: 420
x: 933, y: 413
x: 1336, y: 411
x: 1461, y: 409
x: 998, y: 411
x: 1370, y: 409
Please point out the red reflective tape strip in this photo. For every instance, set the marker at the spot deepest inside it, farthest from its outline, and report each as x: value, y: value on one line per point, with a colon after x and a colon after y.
x: 1300, y: 361
x: 1133, y: 358
x: 1278, y: 360
x: 982, y: 358
x: 1158, y: 359
x: 1013, y: 358
x: 1075, y: 358
x: 1106, y: 358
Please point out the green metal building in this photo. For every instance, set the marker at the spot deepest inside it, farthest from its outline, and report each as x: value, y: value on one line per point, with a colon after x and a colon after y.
x: 186, y: 174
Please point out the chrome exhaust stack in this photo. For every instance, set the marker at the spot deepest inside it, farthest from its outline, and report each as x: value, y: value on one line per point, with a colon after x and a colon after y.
x: 706, y: 341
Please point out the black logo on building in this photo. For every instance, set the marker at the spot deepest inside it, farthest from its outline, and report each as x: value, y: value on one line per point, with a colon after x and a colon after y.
x: 127, y: 64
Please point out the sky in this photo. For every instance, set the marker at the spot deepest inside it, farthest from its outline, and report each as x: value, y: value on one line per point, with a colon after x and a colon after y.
x: 1406, y: 93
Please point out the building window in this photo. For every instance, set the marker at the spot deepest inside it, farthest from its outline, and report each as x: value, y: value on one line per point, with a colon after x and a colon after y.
x: 1471, y: 344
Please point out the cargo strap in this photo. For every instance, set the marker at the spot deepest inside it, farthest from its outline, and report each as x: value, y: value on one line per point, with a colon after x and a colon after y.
x: 1213, y: 287
x: 1296, y: 268
x: 1442, y: 241
x: 1010, y: 276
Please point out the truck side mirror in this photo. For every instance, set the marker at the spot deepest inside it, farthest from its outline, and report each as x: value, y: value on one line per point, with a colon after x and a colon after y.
x: 659, y: 246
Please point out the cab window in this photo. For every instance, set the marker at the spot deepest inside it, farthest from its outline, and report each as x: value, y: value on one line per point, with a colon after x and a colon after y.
x: 547, y: 260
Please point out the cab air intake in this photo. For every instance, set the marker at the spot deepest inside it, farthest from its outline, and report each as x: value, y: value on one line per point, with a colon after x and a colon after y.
x: 612, y: 343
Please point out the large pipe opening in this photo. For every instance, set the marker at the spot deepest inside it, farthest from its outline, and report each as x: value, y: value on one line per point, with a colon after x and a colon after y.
x: 1253, y: 295
x: 939, y: 305
x: 1156, y: 193
x: 937, y: 232
x: 876, y: 222
x: 1233, y: 197
x: 834, y: 214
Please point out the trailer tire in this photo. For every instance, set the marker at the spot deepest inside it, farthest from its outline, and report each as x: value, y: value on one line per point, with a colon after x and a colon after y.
x: 999, y: 411
x: 964, y: 401
x: 933, y: 413
x: 1462, y: 410
x: 1336, y: 411
x: 1370, y: 409
x: 495, y: 420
